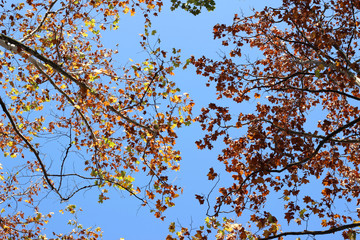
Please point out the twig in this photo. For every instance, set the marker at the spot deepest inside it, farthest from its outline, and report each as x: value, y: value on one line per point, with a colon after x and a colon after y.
x: 41, y: 23
x: 16, y: 44
x: 30, y: 146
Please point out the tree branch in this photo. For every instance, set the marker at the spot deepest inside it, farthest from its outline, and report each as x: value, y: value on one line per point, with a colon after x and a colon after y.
x: 76, y: 107
x: 41, y: 23
x: 306, y: 232
x: 30, y: 146
x: 15, y: 46
x: 312, y: 135
x: 321, y: 144
x: 320, y: 91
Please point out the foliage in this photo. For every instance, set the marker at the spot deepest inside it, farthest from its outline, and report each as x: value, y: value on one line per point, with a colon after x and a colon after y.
x: 303, y: 132
x: 193, y: 6
x: 62, y: 87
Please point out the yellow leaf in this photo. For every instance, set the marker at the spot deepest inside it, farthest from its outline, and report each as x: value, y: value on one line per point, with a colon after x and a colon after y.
x: 172, y: 227
x: 176, y: 98
x: 113, y: 99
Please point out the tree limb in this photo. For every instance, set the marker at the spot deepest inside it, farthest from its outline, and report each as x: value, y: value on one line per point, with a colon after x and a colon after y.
x: 320, y: 145
x: 17, y: 47
x: 30, y: 146
x: 306, y: 232
x: 41, y: 23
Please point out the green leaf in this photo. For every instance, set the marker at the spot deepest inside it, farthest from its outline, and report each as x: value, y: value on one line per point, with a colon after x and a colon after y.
x: 302, y: 213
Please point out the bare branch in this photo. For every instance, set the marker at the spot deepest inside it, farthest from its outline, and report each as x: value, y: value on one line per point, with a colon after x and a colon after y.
x: 76, y: 107
x: 30, y: 146
x: 306, y: 232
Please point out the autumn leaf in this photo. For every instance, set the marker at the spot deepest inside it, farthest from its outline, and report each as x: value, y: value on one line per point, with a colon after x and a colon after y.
x: 212, y: 175
x: 200, y: 198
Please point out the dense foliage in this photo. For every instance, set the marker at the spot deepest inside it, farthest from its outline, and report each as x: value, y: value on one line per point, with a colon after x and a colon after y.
x: 303, y: 132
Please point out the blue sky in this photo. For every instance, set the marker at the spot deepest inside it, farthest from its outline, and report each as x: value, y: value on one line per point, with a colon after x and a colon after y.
x: 122, y: 216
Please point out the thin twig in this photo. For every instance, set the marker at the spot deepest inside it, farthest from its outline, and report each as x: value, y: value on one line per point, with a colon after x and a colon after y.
x: 30, y: 146
x: 41, y: 23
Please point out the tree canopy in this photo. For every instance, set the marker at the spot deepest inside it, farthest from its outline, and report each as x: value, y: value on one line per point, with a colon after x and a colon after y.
x: 291, y: 74
x: 59, y: 85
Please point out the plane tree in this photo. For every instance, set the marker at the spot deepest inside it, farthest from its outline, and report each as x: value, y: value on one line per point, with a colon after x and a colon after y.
x: 74, y: 118
x: 291, y: 131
